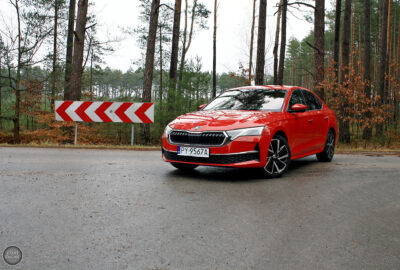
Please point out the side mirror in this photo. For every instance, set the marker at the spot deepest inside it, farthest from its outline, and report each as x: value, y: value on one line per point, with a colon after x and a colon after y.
x: 202, y: 107
x: 298, y: 108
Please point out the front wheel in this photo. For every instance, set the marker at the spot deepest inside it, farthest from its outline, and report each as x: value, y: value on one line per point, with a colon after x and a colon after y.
x: 184, y: 166
x: 329, y: 150
x: 279, y: 157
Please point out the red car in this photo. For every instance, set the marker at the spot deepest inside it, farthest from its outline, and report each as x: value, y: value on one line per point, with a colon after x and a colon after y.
x: 253, y: 127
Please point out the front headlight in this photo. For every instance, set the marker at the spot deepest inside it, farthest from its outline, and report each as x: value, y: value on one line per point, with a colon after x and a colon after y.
x: 167, y: 131
x: 256, y: 131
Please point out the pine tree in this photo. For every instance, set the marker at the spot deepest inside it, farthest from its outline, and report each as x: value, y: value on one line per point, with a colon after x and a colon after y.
x: 262, y: 24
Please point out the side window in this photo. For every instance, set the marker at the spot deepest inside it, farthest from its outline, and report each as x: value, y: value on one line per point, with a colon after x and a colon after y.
x: 296, y: 98
x: 313, y: 102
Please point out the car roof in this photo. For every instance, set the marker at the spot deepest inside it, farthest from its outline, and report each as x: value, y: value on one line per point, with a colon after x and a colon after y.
x: 276, y: 87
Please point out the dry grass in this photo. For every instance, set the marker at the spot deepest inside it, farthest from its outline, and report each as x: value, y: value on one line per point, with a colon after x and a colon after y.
x: 341, y: 149
x: 350, y: 149
x: 83, y: 146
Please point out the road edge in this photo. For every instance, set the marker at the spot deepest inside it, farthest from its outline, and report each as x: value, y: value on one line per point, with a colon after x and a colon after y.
x: 367, y: 152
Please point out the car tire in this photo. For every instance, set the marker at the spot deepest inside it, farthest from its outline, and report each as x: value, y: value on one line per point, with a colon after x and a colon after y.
x: 278, y: 159
x: 329, y: 150
x: 184, y: 166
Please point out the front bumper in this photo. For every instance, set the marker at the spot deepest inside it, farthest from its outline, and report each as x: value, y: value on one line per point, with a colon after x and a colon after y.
x: 244, y: 152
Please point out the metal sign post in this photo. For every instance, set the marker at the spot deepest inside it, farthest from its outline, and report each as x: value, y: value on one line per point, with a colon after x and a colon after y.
x: 133, y: 134
x: 76, y: 133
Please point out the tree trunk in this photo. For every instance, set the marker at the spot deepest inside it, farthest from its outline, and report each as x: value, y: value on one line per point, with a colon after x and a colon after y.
x: 16, y: 131
x: 175, y: 42
x: 262, y: 24
x: 389, y: 90
x: 382, y: 60
x: 252, y: 42
x: 214, y: 91
x: 79, y: 46
x: 54, y: 73
x: 161, y: 68
x: 70, y: 47
x: 149, y: 65
x: 187, y: 40
x: 1, y: 120
x: 319, y: 42
x: 281, y: 69
x: 91, y: 76
x: 344, y: 124
x: 178, y: 93
x: 337, y: 37
x: 367, y: 61
x: 276, y: 45
x: 395, y: 97
x: 173, y: 69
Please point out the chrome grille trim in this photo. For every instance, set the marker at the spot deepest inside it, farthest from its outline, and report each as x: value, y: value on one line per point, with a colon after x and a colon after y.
x: 228, y: 154
x: 198, y: 132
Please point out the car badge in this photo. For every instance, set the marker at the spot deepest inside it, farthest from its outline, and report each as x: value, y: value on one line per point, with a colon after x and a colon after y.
x: 197, y: 128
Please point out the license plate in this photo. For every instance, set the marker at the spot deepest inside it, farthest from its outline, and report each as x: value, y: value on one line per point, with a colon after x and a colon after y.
x: 193, y: 152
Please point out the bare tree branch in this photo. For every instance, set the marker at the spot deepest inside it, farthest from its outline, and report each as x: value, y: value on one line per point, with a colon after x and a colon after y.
x: 165, y: 5
x: 315, y: 48
x: 301, y: 3
x: 294, y: 3
x: 88, y: 52
x: 91, y: 26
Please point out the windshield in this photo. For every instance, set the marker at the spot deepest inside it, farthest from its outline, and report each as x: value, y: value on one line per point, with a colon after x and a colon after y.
x: 249, y: 99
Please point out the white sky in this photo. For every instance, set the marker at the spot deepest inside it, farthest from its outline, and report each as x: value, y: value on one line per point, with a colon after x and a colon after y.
x: 234, y: 21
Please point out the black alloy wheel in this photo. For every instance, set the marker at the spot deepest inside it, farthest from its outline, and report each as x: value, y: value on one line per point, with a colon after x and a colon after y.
x: 279, y: 157
x: 329, y: 150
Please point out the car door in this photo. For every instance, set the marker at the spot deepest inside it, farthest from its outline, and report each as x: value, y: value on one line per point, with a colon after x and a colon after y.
x: 318, y: 124
x: 299, y: 125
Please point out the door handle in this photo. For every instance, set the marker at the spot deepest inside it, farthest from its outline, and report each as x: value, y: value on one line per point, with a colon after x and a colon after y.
x: 310, y: 120
x: 326, y: 118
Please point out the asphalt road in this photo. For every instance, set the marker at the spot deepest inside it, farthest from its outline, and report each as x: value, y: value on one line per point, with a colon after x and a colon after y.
x: 102, y: 209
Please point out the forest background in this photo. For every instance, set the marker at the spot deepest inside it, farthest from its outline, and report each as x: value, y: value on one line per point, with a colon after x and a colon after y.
x: 52, y: 50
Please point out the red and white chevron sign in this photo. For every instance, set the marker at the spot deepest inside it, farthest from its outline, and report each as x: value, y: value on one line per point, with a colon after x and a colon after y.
x: 89, y: 111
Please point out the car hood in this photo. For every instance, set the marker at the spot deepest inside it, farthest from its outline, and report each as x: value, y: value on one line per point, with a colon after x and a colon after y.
x: 223, y: 120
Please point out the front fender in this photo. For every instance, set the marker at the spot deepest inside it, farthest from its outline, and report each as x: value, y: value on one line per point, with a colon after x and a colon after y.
x: 269, y: 132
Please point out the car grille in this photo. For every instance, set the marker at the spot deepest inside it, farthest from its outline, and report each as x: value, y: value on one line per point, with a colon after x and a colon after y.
x: 204, y: 138
x: 213, y: 159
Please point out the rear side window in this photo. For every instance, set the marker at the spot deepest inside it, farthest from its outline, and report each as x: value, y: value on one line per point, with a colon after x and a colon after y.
x: 313, y: 102
x: 296, y: 98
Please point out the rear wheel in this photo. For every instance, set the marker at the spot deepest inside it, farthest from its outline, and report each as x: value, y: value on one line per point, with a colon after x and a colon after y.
x: 279, y: 157
x: 184, y: 166
x: 329, y: 150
